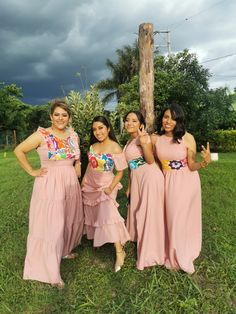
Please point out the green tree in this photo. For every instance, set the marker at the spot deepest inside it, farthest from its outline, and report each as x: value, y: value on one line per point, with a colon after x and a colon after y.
x: 214, y: 111
x: 9, y: 104
x: 129, y: 95
x: 234, y: 98
x: 84, y: 109
x: 13, y: 112
x: 182, y: 79
x: 179, y: 78
x: 126, y: 67
x: 39, y: 116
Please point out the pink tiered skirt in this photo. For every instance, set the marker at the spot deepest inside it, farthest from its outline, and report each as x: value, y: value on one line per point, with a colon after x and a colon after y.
x: 103, y: 222
x: 55, y: 221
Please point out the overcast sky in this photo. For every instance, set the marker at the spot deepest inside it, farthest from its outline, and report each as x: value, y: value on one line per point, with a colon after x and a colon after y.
x: 44, y: 43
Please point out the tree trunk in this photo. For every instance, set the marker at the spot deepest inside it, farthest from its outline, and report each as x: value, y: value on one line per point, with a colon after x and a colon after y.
x: 146, y: 73
x: 14, y: 138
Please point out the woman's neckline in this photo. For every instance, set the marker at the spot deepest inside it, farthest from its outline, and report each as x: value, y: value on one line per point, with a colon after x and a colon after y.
x: 132, y: 139
x: 56, y: 135
x: 169, y: 136
x: 99, y: 154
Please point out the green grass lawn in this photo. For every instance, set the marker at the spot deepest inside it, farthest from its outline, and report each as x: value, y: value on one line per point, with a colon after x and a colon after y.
x: 91, y: 284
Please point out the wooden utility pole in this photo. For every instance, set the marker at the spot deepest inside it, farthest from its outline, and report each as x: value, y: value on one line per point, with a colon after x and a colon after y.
x: 14, y: 138
x: 146, y: 73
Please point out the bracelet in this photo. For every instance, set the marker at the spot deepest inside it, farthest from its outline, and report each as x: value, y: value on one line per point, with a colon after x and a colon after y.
x: 203, y: 164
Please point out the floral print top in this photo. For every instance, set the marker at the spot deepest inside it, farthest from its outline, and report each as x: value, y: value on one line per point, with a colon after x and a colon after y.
x: 61, y: 149
x: 100, y: 162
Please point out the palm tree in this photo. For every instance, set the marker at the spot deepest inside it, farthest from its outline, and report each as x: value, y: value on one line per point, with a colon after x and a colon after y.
x: 126, y: 67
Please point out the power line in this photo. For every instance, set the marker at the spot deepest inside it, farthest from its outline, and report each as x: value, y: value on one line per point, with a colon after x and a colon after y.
x: 222, y: 57
x: 224, y: 76
x: 168, y: 44
x: 194, y: 15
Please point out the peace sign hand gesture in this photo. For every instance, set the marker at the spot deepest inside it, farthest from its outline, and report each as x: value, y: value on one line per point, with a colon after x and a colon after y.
x: 206, y: 155
x: 143, y: 136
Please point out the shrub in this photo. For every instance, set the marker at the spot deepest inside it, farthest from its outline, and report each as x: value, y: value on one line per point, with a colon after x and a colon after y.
x: 223, y: 141
x: 123, y: 138
x: 84, y: 109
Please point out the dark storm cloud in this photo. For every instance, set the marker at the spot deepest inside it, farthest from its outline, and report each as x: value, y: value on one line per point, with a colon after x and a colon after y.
x: 44, y: 43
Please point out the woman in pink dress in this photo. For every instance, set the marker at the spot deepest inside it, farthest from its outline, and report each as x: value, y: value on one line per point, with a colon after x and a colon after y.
x: 176, y: 150
x: 56, y: 214
x: 145, y: 221
x: 103, y: 223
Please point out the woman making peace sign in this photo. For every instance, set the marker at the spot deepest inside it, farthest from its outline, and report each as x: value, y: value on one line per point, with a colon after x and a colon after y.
x: 145, y: 221
x: 176, y: 150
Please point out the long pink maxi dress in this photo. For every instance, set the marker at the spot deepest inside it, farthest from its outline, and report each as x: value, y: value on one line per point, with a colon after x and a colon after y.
x: 103, y: 222
x: 183, y: 205
x: 145, y: 221
x: 56, y: 214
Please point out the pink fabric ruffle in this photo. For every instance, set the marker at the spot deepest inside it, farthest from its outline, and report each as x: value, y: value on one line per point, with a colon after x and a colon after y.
x: 103, y: 222
x: 107, y: 234
x: 120, y: 161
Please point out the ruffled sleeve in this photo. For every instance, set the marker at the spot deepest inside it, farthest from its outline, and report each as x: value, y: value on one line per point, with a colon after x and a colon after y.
x: 43, y: 132
x: 120, y: 161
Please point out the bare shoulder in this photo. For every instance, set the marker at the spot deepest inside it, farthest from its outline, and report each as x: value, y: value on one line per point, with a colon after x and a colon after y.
x: 96, y: 146
x: 116, y: 149
x: 31, y: 142
x: 189, y: 141
x: 154, y: 138
x: 188, y: 137
x: 35, y: 137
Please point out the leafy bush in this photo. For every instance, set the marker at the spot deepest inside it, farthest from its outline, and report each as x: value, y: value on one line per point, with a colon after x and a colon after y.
x: 123, y: 138
x: 223, y: 141
x: 84, y: 109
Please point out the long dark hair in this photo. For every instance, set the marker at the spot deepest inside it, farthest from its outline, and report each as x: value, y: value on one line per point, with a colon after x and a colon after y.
x: 177, y: 114
x: 139, y: 116
x: 107, y: 123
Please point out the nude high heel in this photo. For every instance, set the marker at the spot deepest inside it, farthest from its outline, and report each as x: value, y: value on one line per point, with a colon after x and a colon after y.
x: 120, y: 263
x: 59, y: 285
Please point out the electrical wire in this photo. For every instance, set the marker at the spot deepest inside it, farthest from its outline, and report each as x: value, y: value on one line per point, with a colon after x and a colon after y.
x: 217, y: 58
x: 194, y: 15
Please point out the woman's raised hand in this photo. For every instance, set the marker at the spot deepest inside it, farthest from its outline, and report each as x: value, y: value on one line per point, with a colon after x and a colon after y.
x: 143, y: 136
x: 206, y: 154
